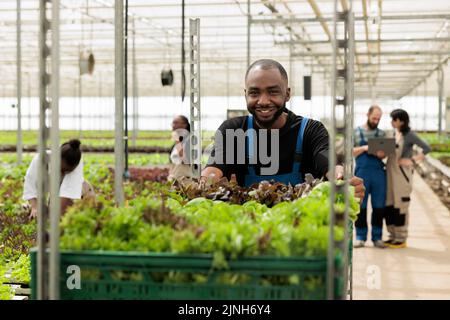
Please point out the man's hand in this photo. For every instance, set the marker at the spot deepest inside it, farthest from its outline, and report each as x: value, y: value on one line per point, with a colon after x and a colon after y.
x: 357, y: 182
x: 360, y: 190
x: 339, y: 172
x: 381, y: 154
x: 211, y: 173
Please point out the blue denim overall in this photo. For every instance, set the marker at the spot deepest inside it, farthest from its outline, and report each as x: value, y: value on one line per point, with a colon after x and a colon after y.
x: 294, y: 177
x: 371, y: 169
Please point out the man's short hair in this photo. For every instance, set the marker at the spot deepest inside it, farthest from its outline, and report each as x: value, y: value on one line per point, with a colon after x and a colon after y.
x: 373, y: 107
x: 267, y: 64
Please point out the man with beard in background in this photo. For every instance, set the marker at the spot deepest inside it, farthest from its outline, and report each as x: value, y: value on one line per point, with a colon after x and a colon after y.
x: 302, y: 143
x: 372, y: 170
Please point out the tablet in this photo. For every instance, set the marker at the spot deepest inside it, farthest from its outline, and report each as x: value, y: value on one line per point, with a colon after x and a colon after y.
x: 384, y: 144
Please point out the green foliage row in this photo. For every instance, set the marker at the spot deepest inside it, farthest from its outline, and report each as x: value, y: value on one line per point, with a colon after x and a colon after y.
x: 437, y: 143
x: 100, y: 138
x: 165, y: 223
x: 158, y: 219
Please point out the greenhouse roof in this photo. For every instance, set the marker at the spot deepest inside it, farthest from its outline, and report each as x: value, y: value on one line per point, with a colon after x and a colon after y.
x: 399, y: 44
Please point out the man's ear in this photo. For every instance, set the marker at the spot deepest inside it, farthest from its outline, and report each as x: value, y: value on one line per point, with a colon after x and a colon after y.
x: 288, y: 94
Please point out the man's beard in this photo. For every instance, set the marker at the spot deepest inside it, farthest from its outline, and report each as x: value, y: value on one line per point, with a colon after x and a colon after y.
x: 371, y: 125
x: 269, y: 123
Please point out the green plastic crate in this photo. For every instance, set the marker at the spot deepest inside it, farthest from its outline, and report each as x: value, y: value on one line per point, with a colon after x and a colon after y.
x: 137, y: 275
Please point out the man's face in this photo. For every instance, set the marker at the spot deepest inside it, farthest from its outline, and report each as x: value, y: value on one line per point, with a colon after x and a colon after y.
x: 266, y: 93
x: 374, y: 119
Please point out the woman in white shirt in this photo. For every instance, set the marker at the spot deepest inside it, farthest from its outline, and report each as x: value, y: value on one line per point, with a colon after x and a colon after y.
x: 179, y: 160
x: 72, y: 185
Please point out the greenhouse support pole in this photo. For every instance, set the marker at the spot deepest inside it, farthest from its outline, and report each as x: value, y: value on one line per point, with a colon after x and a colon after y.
x: 342, y: 91
x: 424, y: 116
x: 332, y: 161
x: 348, y: 143
x: 249, y: 24
x: 440, y: 80
x: 29, y: 116
x: 324, y: 95
x: 135, y: 89
x: 125, y: 137
x: 119, y: 90
x: 228, y: 83
x: 80, y: 107
x: 55, y: 159
x: 29, y: 100
x: 195, y: 114
x: 42, y: 212
x: 291, y: 69
x: 19, y: 84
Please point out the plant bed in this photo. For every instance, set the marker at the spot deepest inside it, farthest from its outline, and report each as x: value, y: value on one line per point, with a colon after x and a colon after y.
x: 136, y: 275
x: 163, y: 246
x: 437, y: 175
x: 147, y: 174
x: 88, y: 148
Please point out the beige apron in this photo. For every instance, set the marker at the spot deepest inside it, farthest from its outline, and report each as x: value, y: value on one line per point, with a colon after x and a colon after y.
x: 87, y: 191
x: 399, y: 188
x: 177, y: 171
x: 179, y: 168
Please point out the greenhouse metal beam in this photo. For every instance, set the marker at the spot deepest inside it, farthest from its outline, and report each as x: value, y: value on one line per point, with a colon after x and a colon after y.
x: 440, y: 81
x: 292, y: 34
x: 367, y: 41
x: 388, y: 77
x: 195, y: 109
x: 366, y: 65
x: 135, y: 88
x: 383, y: 53
x: 342, y: 94
x: 19, y: 84
x: 403, y: 71
x: 323, y: 24
x: 119, y: 96
x: 249, y: 25
x: 42, y: 212
x: 408, y: 17
x: 103, y: 62
x: 414, y: 86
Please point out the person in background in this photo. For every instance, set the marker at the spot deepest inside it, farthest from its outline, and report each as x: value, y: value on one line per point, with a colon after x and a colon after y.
x: 371, y: 169
x: 179, y: 157
x: 400, y: 168
x: 73, y: 186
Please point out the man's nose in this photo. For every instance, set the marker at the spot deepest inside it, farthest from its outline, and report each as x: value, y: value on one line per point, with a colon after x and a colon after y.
x: 264, y: 99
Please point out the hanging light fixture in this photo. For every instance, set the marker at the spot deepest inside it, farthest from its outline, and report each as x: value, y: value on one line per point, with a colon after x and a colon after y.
x: 86, y: 62
x: 166, y: 76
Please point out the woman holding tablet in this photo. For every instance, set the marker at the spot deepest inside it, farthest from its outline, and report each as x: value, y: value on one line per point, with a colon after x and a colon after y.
x: 399, y: 169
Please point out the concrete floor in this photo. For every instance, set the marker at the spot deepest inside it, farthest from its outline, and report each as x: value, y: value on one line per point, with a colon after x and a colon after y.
x: 420, y: 271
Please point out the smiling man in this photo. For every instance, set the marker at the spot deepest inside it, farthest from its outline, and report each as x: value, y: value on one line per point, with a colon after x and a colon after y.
x: 296, y: 144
